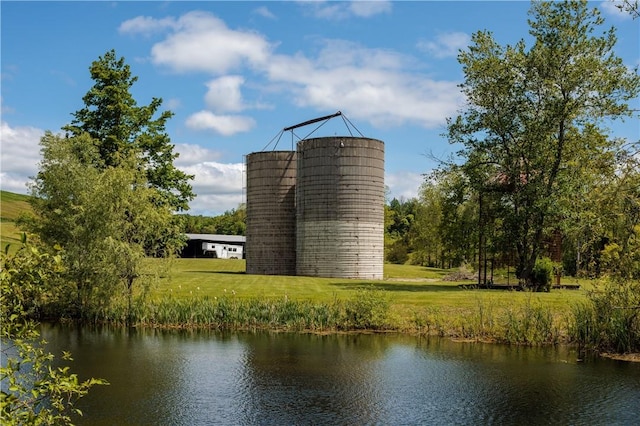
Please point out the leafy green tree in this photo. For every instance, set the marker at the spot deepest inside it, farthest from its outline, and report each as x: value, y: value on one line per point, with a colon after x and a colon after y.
x: 447, y: 220
x: 403, y: 214
x: 120, y: 128
x: 532, y: 113
x: 399, y: 219
x: 33, y: 391
x: 231, y: 222
x: 429, y: 228
x: 459, y: 226
x: 616, y: 205
x: 104, y: 219
x: 426, y: 237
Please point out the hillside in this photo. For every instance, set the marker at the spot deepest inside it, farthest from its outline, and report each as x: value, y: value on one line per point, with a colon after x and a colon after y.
x: 11, y: 206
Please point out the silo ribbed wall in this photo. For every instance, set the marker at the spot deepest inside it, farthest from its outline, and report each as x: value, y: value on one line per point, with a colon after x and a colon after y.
x: 340, y: 208
x: 271, y: 213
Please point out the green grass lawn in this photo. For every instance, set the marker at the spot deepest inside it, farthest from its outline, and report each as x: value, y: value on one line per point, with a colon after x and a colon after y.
x: 214, y: 277
x: 409, y: 288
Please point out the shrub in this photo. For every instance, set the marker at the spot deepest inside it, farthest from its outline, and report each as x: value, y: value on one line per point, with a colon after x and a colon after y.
x: 369, y: 310
x: 397, y: 253
x: 543, y: 274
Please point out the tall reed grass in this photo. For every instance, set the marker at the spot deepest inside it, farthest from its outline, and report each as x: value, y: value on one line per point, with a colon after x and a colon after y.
x: 609, y: 320
x: 368, y: 309
x: 525, y: 323
x: 529, y: 322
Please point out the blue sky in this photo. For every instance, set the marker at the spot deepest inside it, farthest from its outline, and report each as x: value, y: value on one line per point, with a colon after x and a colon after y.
x: 236, y: 73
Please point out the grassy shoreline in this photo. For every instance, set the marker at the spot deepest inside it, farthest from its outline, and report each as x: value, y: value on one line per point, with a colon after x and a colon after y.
x: 206, y: 293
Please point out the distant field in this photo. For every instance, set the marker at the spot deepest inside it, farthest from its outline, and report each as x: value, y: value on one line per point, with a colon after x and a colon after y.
x: 11, y: 206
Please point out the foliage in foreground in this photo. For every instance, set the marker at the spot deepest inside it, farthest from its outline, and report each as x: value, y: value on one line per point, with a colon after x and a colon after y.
x: 105, y: 220
x: 33, y: 391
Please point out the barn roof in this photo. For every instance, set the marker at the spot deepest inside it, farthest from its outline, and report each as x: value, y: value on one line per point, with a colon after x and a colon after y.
x: 238, y: 239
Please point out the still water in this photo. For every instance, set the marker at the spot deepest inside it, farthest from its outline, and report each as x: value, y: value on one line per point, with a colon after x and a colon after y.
x: 208, y: 378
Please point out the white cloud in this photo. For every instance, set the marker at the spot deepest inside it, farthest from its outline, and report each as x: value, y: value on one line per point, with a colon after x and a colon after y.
x: 145, y: 25
x: 214, y: 205
x: 368, y: 84
x: 192, y: 154
x: 202, y: 42
x: 380, y: 86
x: 216, y: 178
x: 264, y: 12
x: 343, y: 10
x: 173, y: 104
x: 226, y: 125
x: 328, y: 10
x: 223, y: 94
x: 218, y: 185
x: 446, y: 45
x: 365, y: 9
x: 337, y: 53
x: 13, y: 183
x: 403, y: 185
x: 20, y: 156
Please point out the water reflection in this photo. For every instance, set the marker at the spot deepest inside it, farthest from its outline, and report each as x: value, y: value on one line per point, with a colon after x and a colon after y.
x: 294, y: 378
x: 204, y: 378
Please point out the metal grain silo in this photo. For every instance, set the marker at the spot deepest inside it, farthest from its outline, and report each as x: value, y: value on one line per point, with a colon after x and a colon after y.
x: 271, y: 213
x: 340, y: 208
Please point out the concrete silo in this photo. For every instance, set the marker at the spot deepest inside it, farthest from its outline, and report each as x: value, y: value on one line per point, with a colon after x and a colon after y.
x: 340, y: 207
x: 271, y: 213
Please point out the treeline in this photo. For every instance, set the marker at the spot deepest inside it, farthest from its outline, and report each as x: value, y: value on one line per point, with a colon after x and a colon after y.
x: 599, y: 233
x: 231, y: 222
x: 437, y: 229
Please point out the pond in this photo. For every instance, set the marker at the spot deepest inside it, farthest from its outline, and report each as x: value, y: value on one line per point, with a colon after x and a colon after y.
x: 215, y: 378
